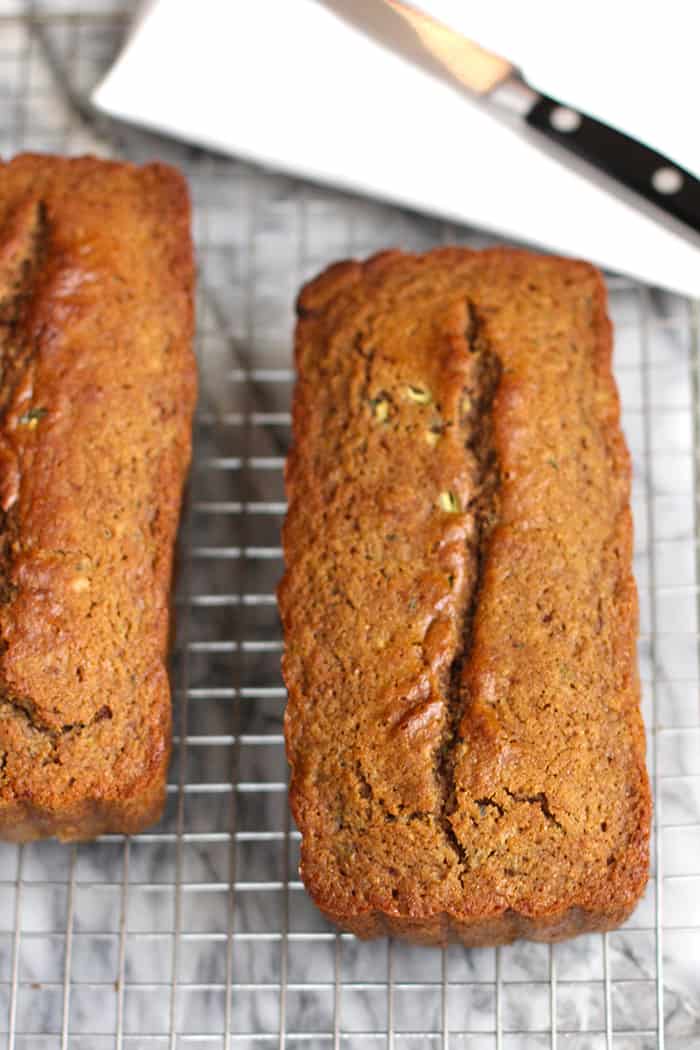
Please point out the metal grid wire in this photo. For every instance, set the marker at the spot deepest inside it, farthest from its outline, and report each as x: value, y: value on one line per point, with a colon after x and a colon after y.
x: 198, y: 933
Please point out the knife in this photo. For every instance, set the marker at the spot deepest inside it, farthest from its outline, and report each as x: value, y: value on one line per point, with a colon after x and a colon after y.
x: 632, y: 164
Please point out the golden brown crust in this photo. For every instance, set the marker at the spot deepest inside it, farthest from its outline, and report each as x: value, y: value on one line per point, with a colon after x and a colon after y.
x: 460, y: 617
x: 97, y: 393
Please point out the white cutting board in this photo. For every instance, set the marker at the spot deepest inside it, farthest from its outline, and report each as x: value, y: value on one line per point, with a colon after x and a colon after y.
x: 290, y: 84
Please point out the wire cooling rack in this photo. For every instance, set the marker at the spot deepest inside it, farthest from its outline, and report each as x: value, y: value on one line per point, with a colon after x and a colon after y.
x: 198, y: 933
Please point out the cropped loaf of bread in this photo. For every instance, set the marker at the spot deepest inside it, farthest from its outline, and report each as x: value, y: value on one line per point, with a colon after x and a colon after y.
x: 96, y: 397
x: 460, y: 616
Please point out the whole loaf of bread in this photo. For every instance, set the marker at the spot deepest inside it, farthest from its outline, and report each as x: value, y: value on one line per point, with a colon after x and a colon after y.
x: 97, y: 391
x: 460, y: 617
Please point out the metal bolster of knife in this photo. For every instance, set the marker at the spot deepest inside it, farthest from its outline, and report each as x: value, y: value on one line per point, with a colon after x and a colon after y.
x: 515, y: 95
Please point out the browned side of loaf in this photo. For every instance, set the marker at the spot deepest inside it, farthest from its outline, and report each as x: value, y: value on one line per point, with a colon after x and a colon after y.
x: 460, y: 617
x: 97, y: 392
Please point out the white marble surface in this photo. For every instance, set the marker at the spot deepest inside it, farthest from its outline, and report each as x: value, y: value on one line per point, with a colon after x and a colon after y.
x: 138, y: 944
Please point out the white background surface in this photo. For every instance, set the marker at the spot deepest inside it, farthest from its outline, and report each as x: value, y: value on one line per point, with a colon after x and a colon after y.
x: 294, y: 86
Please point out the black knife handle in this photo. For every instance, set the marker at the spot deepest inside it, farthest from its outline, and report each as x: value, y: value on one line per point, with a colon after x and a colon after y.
x: 639, y: 168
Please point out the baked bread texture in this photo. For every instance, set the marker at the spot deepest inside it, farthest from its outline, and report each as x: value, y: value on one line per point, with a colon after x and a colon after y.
x: 97, y: 392
x: 460, y: 617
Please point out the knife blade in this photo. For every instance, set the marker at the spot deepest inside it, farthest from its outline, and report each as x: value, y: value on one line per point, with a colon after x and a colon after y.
x: 631, y: 163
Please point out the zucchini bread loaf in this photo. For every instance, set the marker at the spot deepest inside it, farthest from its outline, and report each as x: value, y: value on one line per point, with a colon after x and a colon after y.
x: 96, y: 397
x: 460, y: 617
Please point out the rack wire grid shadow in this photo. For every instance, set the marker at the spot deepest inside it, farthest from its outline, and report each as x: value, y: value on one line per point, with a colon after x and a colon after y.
x: 198, y: 933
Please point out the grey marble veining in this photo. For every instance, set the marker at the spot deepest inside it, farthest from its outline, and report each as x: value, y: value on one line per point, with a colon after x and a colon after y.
x: 200, y: 926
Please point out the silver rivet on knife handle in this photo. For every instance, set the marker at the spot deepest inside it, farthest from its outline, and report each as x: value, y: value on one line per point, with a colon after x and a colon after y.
x: 565, y: 120
x: 667, y: 180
